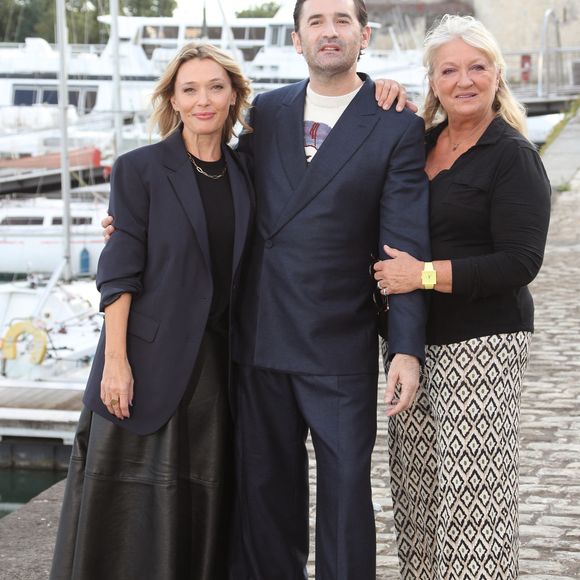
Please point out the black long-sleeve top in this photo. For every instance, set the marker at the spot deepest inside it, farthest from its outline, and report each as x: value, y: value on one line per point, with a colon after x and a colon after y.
x: 216, y: 196
x: 489, y: 215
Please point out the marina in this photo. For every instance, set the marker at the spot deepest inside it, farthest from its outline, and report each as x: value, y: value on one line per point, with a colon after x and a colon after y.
x: 40, y: 402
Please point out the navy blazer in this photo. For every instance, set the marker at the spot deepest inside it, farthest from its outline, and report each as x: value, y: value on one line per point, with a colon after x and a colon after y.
x: 160, y: 254
x: 307, y: 294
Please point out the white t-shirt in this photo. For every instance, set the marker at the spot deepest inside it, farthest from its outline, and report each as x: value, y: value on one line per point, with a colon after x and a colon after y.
x: 320, y: 115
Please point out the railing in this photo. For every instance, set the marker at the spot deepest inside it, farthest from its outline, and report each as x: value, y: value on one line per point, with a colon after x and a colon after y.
x: 560, y: 71
x: 74, y: 48
x: 552, y: 70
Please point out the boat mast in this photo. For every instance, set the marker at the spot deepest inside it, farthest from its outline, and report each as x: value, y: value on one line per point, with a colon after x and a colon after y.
x: 230, y: 42
x: 204, y: 32
x: 63, y: 109
x: 117, y: 112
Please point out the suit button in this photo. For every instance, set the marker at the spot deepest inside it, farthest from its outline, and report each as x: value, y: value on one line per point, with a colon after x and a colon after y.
x: 268, y: 243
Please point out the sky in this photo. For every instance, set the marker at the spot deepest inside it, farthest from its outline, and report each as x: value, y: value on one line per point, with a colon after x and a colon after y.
x: 229, y: 6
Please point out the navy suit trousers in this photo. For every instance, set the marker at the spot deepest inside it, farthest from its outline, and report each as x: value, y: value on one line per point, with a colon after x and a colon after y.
x: 274, y: 412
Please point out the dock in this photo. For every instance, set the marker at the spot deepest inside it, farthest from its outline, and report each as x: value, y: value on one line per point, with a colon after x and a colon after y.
x: 550, y: 429
x: 35, y: 180
x: 38, y: 423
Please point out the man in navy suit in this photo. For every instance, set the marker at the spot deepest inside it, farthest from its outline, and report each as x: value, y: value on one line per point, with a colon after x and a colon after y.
x: 336, y: 178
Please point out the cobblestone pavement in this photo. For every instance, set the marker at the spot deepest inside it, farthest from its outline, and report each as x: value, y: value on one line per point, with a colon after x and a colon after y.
x: 550, y: 423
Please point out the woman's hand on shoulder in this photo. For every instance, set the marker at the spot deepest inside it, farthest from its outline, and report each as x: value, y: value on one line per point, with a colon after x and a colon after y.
x: 387, y: 91
x: 398, y: 275
x: 117, y: 386
x: 108, y: 228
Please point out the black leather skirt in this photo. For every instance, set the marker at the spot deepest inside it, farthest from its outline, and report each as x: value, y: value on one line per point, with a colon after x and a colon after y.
x: 153, y: 507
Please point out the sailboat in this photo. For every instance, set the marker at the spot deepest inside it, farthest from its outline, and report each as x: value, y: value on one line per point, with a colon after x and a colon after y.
x: 50, y: 328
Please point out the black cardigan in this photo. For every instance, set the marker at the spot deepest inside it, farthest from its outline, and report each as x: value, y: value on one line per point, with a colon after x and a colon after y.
x: 489, y: 215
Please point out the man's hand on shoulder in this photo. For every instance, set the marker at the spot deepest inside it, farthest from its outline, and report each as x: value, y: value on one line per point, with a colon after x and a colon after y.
x: 404, y: 371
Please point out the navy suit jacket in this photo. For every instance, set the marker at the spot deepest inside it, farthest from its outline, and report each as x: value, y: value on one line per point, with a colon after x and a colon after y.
x: 160, y: 254
x: 306, y: 298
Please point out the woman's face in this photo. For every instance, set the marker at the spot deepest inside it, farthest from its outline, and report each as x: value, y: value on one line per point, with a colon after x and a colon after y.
x: 203, y: 94
x: 464, y: 80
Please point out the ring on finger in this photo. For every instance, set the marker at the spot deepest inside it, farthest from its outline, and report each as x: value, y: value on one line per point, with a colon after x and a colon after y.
x: 114, y: 402
x: 379, y: 285
x: 384, y: 291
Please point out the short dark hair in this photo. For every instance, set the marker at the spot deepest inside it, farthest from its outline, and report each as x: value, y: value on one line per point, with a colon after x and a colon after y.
x: 360, y: 8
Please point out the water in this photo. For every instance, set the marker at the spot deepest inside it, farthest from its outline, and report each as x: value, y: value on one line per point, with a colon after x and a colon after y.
x: 18, y: 486
x: 540, y: 127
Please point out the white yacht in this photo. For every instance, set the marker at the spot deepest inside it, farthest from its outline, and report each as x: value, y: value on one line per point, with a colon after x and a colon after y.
x: 31, y: 234
x: 29, y: 71
x: 277, y: 63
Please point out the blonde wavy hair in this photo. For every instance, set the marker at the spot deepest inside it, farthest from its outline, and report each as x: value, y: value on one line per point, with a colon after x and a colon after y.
x: 474, y: 33
x: 166, y: 120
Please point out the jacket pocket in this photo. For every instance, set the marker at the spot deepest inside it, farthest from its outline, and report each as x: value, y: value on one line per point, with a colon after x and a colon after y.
x: 142, y: 326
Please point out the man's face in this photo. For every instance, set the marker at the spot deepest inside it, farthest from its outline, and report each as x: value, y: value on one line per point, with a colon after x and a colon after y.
x: 329, y: 36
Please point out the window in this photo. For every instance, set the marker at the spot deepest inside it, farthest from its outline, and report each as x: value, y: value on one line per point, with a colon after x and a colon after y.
x: 192, y: 33
x: 275, y: 35
x: 22, y: 221
x: 257, y: 33
x: 149, y: 48
x: 83, y: 98
x: 239, y: 33
x: 214, y: 32
x: 73, y: 98
x: 75, y: 221
x: 150, y: 32
x: 250, y: 53
x: 90, y: 98
x: 169, y: 32
x: 50, y: 96
x: 288, y: 37
x: 25, y: 96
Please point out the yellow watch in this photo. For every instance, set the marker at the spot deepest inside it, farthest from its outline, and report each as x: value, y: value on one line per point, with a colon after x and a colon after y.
x: 428, y: 276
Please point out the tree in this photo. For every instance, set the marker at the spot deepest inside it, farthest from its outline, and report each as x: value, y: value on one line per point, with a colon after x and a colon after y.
x: 149, y: 7
x: 22, y: 18
x: 266, y: 10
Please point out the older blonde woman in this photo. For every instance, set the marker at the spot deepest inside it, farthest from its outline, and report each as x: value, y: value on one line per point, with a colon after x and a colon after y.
x: 454, y: 455
x: 149, y: 487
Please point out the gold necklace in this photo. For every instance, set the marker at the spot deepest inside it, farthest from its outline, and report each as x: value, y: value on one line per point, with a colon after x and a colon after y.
x: 454, y: 146
x: 200, y: 170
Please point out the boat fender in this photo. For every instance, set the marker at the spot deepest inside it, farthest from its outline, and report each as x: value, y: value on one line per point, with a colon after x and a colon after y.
x: 85, y: 258
x: 38, y: 351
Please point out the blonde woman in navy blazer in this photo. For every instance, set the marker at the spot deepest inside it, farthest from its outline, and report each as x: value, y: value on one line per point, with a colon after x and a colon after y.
x: 149, y: 487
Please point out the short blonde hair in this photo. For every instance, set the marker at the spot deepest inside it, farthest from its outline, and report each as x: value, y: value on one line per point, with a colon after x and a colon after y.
x: 474, y: 33
x: 167, y: 120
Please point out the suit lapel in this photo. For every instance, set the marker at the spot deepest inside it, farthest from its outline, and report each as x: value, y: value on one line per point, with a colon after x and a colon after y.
x: 241, y: 196
x: 290, y: 134
x: 346, y: 137
x: 184, y: 185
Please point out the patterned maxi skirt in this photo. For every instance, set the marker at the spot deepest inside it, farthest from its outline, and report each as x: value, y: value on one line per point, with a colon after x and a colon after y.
x: 454, y: 461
